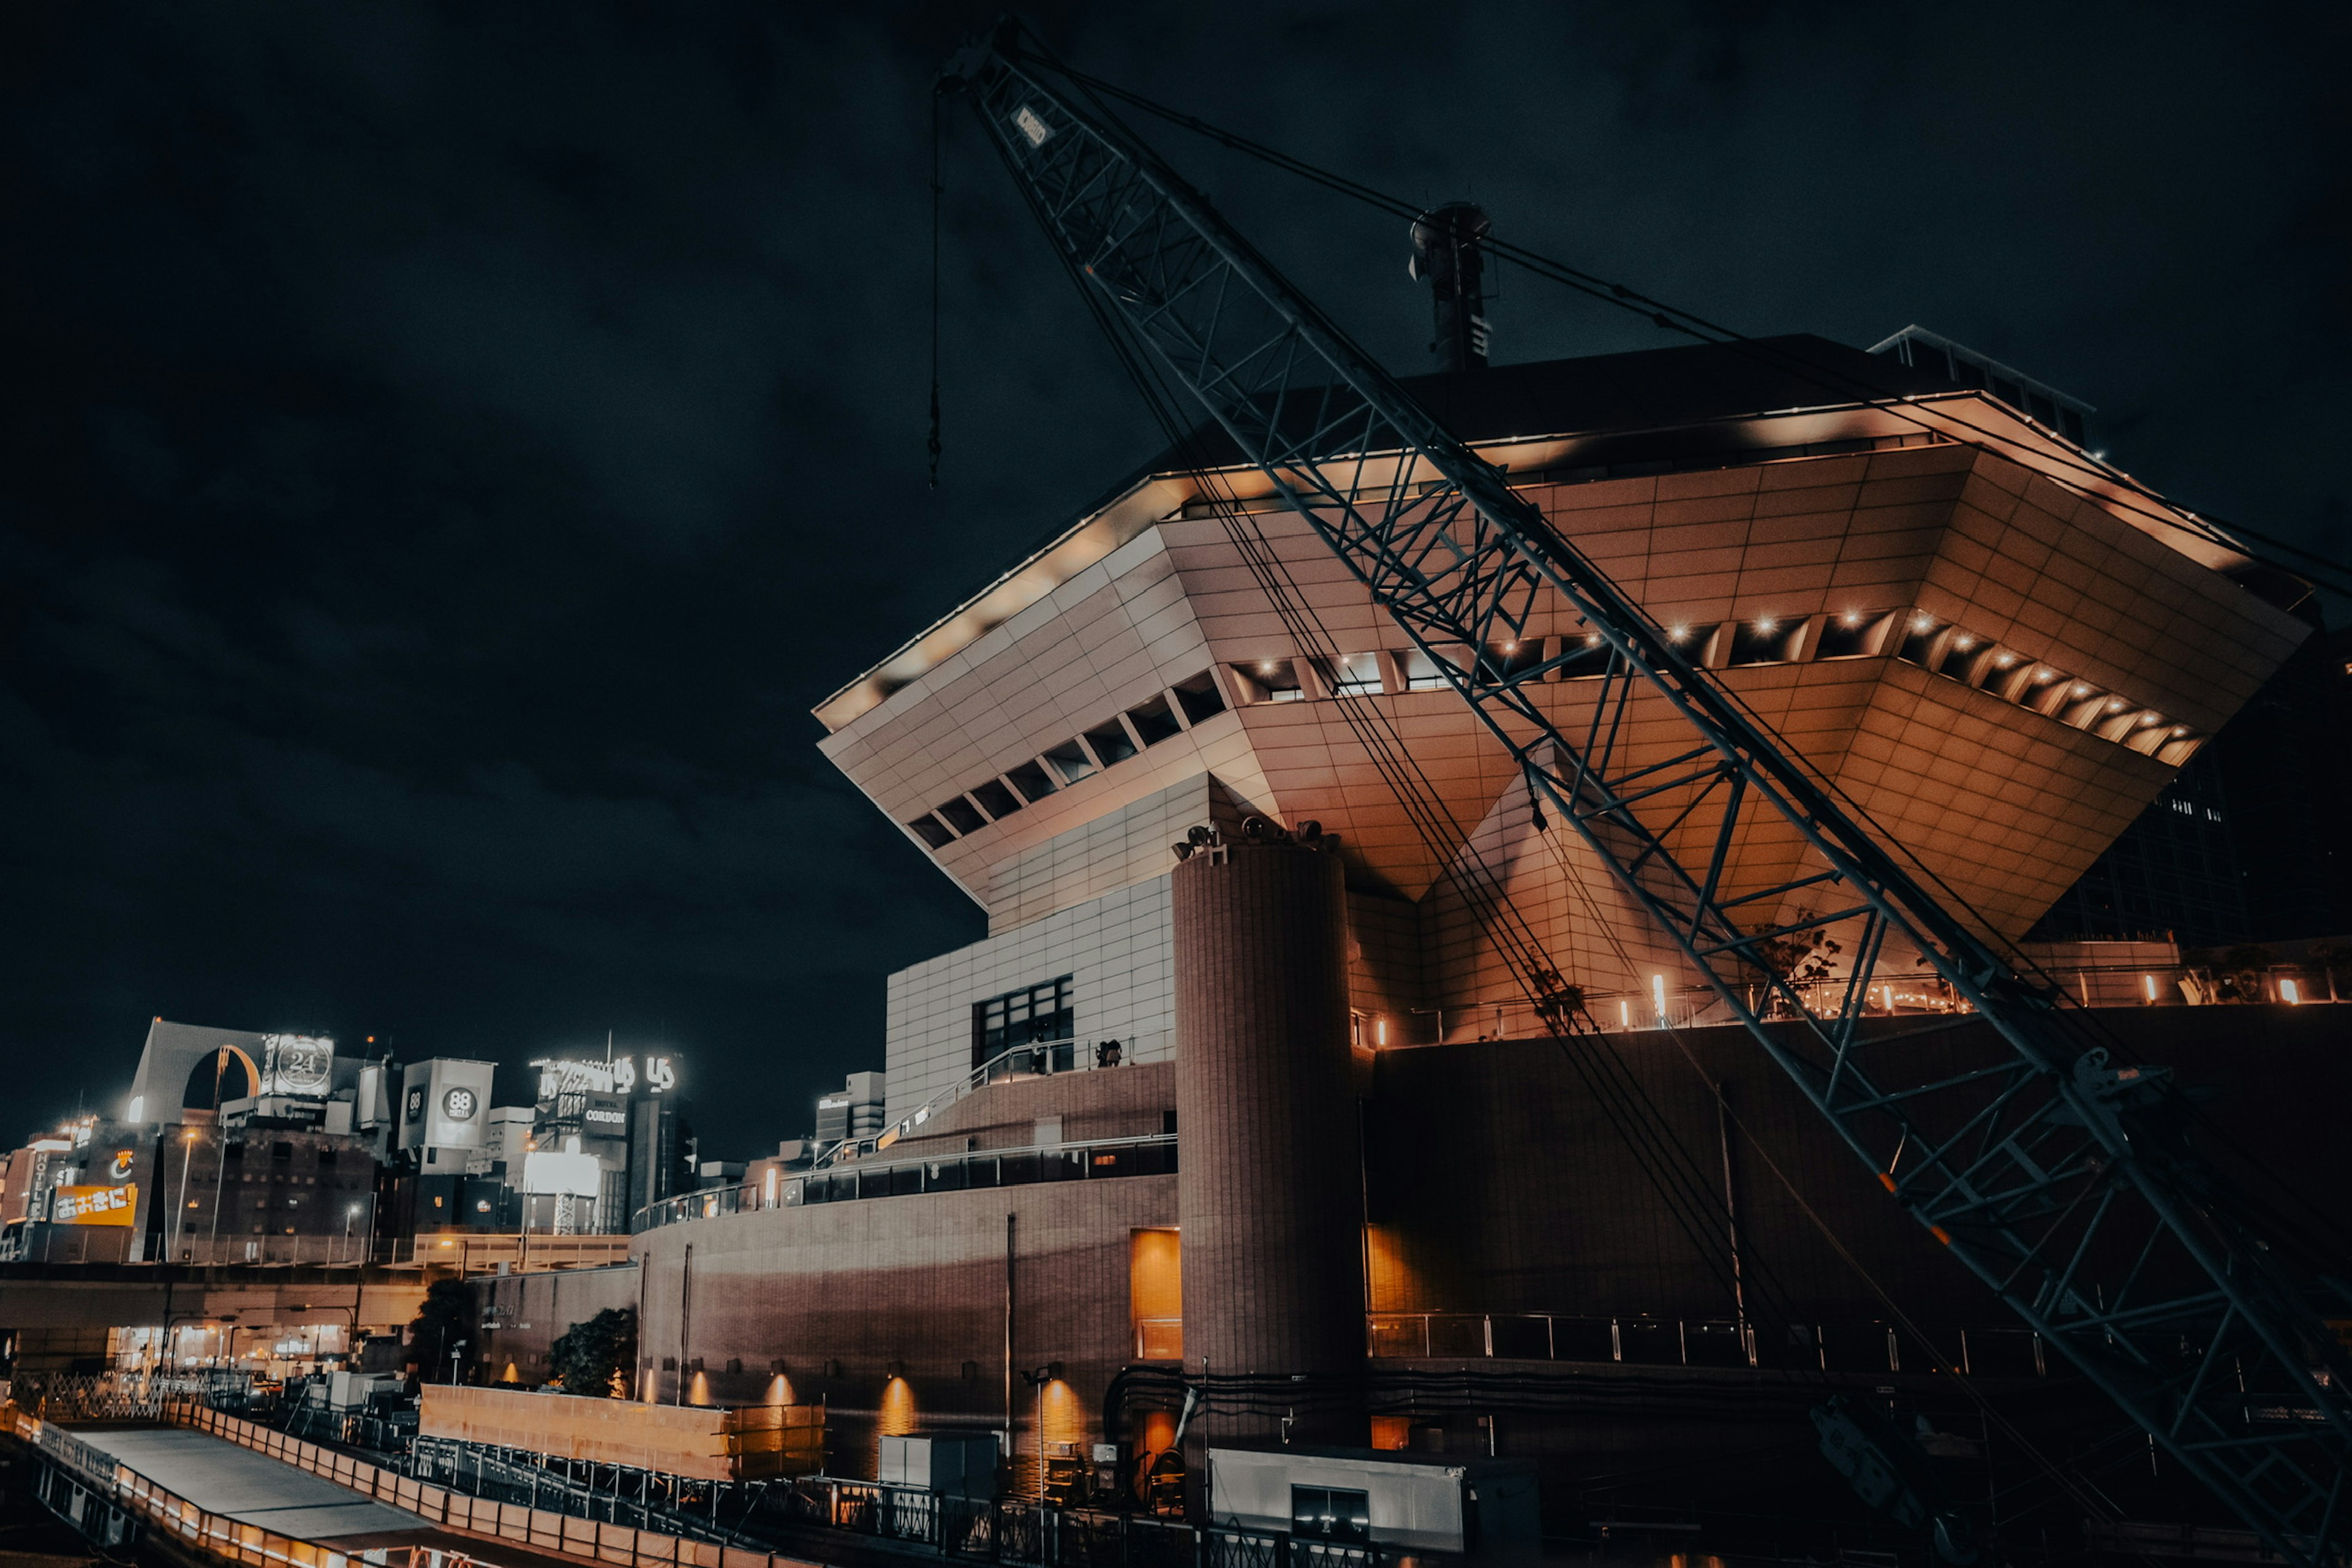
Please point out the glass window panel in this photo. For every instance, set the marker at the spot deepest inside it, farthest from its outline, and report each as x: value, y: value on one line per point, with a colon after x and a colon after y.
x: 1111, y: 743
x: 1070, y: 760
x: 1199, y: 698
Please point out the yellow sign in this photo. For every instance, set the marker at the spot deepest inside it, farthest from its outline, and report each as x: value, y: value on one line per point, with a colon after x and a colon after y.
x: 95, y: 1205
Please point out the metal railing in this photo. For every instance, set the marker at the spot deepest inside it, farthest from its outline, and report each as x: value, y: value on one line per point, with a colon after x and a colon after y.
x: 1152, y: 1155
x: 1012, y: 1530
x: 1849, y: 1347
x: 548, y: 1530
x: 1042, y: 1058
x: 105, y: 1499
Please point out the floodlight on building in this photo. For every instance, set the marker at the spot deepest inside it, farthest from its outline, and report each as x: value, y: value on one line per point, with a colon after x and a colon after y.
x: 1677, y: 634
x: 1624, y: 1013
x: 1765, y: 625
x: 1265, y: 667
x: 2147, y: 984
x: 1963, y: 643
x: 2005, y: 661
x: 1923, y: 622
x: 1658, y: 993
x: 1853, y: 619
x: 1593, y: 640
x: 2290, y: 992
x: 2081, y: 691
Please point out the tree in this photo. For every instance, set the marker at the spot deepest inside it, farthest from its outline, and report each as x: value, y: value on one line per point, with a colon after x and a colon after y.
x: 593, y: 1359
x: 1800, y: 956
x: 443, y: 1322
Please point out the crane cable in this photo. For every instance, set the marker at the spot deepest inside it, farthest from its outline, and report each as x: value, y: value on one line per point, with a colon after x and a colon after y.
x: 1299, y: 617
x: 1673, y: 318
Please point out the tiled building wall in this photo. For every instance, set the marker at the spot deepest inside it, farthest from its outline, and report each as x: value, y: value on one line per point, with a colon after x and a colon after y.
x: 1115, y: 948
x: 1115, y: 851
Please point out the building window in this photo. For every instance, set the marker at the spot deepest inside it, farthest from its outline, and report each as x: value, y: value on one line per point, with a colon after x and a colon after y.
x: 1847, y: 636
x: 1501, y: 661
x: 962, y: 815
x: 1423, y: 672
x: 1111, y: 743
x: 1154, y: 720
x: 1585, y: 656
x: 996, y: 800
x: 1330, y: 1513
x: 1357, y: 674
x: 1034, y: 783
x: 1764, y: 641
x: 1276, y: 679
x: 1070, y: 760
x: 1199, y: 698
x: 1036, y: 1015
x: 931, y: 831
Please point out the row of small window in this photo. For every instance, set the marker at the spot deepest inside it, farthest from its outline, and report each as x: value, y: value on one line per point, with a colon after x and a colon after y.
x: 1162, y: 718
x: 1908, y: 635
x: 1957, y: 653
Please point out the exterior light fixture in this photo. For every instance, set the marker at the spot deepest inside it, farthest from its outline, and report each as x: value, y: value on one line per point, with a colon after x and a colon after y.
x: 2116, y: 705
x: 2045, y: 675
x: 1265, y: 667
x: 1593, y: 640
x: 2005, y: 661
x: 1851, y: 619
x: 1964, y: 644
x: 2180, y: 729
x: 1658, y: 995
x: 2147, y: 984
x: 2290, y: 993
x: 1624, y: 1013
x: 1765, y: 625
x: 2081, y: 691
x: 1677, y: 634
x: 1922, y: 623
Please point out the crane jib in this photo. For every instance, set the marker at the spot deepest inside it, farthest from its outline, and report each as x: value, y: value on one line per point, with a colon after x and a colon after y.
x: 2031, y: 1166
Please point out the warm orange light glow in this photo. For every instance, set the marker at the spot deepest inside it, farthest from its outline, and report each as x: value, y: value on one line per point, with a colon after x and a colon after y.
x: 897, y: 1408
x: 1058, y: 1417
x: 1159, y: 1431
x: 779, y: 1390
x: 699, y: 1391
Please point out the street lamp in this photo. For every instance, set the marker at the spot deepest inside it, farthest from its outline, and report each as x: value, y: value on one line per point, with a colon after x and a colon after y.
x: 350, y: 1217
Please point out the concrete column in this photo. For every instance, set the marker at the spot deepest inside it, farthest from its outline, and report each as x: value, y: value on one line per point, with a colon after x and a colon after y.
x: 1270, y: 1192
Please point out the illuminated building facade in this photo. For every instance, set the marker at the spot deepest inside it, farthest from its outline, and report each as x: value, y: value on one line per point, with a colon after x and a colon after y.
x: 1240, y: 1080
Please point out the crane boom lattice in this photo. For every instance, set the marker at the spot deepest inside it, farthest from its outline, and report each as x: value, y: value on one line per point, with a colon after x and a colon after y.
x: 2061, y: 1179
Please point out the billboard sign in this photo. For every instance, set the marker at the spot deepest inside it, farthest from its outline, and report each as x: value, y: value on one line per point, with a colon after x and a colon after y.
x: 577, y: 1174
x: 300, y: 1065
x: 559, y: 1076
x: 94, y: 1206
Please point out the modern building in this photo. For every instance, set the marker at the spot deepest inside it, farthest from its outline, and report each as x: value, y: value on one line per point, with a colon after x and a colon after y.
x: 1343, y: 1175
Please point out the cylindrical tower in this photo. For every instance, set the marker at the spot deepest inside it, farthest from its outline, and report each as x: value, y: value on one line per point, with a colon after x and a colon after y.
x: 1269, y: 1196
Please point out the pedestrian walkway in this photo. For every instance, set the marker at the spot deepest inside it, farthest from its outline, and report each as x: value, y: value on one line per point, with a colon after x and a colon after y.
x: 253, y: 1489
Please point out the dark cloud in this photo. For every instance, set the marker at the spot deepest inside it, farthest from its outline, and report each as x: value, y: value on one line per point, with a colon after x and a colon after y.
x: 448, y: 449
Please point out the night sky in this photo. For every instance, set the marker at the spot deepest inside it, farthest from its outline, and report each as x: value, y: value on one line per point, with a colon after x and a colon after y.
x: 448, y: 449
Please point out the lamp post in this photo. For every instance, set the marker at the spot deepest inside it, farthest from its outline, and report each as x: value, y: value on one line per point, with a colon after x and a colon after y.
x: 351, y: 1216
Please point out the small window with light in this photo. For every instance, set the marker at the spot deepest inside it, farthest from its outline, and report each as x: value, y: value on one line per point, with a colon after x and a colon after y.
x: 1509, y: 660
x: 1356, y: 675
x: 1423, y: 672
x: 1764, y: 640
x: 1584, y: 656
x: 1275, y: 680
x: 1848, y: 633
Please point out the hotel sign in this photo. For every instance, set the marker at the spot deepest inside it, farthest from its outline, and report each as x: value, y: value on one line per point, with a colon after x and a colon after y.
x: 94, y: 1206
x: 300, y: 1065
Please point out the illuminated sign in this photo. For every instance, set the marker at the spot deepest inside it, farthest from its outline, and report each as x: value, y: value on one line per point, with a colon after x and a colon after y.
x: 120, y: 1170
x: 94, y: 1206
x: 413, y: 1110
x: 561, y: 1075
x: 297, y: 1064
x: 460, y: 1103
x: 569, y: 1172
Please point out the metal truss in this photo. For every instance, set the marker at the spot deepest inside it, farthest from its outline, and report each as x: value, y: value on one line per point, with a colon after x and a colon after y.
x: 2059, y: 1179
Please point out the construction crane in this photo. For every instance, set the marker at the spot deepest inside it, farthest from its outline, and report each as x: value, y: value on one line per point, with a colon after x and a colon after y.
x: 2057, y: 1175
